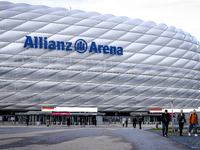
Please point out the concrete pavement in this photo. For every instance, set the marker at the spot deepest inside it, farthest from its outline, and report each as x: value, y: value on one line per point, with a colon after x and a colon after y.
x: 104, y: 137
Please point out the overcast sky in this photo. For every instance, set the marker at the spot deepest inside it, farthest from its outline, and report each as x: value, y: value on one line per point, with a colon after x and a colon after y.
x: 184, y: 14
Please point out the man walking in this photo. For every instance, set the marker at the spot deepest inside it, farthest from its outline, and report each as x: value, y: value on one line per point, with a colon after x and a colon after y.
x: 193, y: 121
x: 181, y: 120
x: 27, y: 120
x: 140, y: 122
x: 165, y: 118
x: 126, y: 122
x: 134, y: 122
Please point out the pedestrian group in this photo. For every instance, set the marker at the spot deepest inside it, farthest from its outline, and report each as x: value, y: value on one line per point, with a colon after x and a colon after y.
x: 193, y: 122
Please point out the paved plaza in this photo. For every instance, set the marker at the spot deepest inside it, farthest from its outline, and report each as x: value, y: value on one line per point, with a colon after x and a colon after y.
x: 104, y: 137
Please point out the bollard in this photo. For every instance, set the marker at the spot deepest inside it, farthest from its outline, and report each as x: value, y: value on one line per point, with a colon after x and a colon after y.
x: 156, y: 125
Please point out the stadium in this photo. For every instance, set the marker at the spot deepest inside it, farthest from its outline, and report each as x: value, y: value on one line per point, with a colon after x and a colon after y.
x: 55, y: 57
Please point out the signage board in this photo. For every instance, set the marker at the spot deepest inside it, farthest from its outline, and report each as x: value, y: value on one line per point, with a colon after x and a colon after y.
x: 70, y: 109
x: 12, y: 118
x: 60, y: 113
x: 80, y: 46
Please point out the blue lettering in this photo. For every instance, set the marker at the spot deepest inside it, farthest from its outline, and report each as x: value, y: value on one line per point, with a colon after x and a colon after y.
x: 45, y: 43
x: 99, y: 48
x: 41, y: 43
x: 112, y: 48
x: 120, y: 51
x: 36, y: 41
x: 58, y: 45
x: 93, y: 47
x: 68, y: 47
x: 79, y: 45
x: 28, y: 42
x: 105, y: 48
x: 52, y: 45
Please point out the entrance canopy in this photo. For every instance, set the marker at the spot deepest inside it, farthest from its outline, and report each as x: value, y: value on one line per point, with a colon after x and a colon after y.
x: 70, y: 109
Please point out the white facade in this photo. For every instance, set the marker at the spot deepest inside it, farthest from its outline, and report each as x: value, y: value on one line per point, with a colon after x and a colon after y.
x: 159, y: 63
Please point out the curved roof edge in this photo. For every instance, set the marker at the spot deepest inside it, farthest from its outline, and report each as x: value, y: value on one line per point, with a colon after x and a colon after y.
x: 110, y: 17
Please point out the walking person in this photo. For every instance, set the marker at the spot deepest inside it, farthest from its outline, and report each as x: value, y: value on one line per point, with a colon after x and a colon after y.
x: 193, y: 121
x: 181, y: 120
x: 134, y: 122
x: 95, y: 122
x: 123, y: 123
x: 82, y: 123
x: 165, y: 118
x: 68, y: 121
x: 126, y: 122
x: 140, y: 122
x: 41, y: 120
x: 27, y: 120
x: 47, y: 122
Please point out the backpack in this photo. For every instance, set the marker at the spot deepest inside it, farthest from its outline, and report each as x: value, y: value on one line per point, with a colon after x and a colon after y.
x: 191, y: 117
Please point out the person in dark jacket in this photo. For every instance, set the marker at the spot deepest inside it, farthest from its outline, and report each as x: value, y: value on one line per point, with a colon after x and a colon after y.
x: 83, y: 123
x: 126, y: 122
x: 181, y: 120
x: 134, y: 122
x: 165, y: 118
x: 140, y: 122
x: 95, y: 122
x: 27, y: 121
x: 68, y: 121
x: 41, y: 120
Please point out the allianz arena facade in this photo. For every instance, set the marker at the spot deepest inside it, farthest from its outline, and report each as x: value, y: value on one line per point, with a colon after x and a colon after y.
x: 124, y: 65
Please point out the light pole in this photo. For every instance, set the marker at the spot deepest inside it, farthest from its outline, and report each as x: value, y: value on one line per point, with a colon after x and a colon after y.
x: 172, y: 115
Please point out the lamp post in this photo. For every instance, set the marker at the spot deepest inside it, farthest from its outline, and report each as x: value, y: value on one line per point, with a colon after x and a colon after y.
x: 172, y: 115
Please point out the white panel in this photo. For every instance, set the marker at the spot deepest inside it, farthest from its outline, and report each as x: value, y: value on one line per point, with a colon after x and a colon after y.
x: 8, y: 13
x: 11, y: 36
x: 174, y: 43
x: 30, y: 26
x: 52, y: 28
x: 123, y: 27
x: 168, y: 34
x: 186, y: 45
x: 178, y: 53
x: 180, y: 63
x: 179, y: 36
x: 153, y: 59
x: 168, y: 61
x: 147, y: 39
x: 27, y: 16
x: 194, y: 48
x: 74, y: 30
x: 135, y: 47
x: 94, y: 32
x: 106, y: 25
x: 151, y: 49
x: 131, y: 36
x: 113, y: 34
x: 161, y: 41
x: 88, y: 22
x: 69, y: 20
x: 188, y: 55
x: 8, y: 24
x: 13, y: 48
x: 139, y: 29
x: 48, y: 18
x: 155, y: 32
x: 137, y: 58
